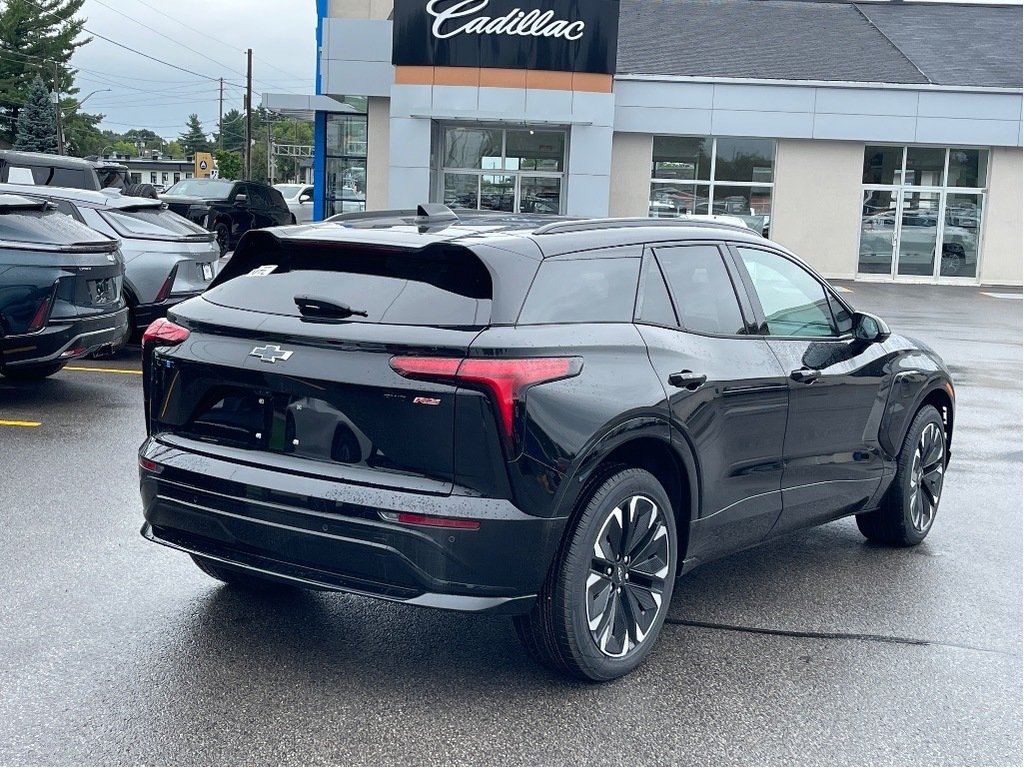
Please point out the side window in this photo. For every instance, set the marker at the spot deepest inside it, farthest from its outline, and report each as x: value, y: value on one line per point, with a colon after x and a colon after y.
x: 65, y: 207
x: 655, y: 305
x: 704, y: 293
x: 583, y: 291
x: 258, y: 197
x: 794, y: 302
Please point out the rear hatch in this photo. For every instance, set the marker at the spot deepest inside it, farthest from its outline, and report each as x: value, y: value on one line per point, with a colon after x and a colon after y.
x: 152, y: 227
x: 85, y: 266
x: 296, y: 358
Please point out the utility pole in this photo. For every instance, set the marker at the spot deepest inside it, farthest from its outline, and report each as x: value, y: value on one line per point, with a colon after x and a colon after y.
x: 270, y: 155
x: 56, y: 107
x: 220, y: 130
x: 248, y: 116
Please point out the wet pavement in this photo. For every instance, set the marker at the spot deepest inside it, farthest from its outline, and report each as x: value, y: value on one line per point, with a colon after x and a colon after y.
x: 817, y: 648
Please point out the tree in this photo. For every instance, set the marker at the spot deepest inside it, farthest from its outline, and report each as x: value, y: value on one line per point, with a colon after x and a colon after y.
x: 33, y: 35
x: 194, y: 139
x: 229, y: 164
x: 37, y: 126
x: 232, y: 130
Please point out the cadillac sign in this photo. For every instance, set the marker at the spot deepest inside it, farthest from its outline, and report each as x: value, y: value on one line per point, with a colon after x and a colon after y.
x: 560, y: 35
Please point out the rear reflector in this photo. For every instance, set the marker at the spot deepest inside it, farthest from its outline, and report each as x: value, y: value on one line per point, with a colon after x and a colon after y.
x: 164, y: 333
x: 150, y: 466
x: 438, y: 522
x: 165, y: 289
x: 506, y: 379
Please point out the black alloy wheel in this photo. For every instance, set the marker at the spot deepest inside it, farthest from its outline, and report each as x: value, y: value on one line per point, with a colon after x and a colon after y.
x: 908, y: 509
x: 223, y: 237
x: 607, y: 595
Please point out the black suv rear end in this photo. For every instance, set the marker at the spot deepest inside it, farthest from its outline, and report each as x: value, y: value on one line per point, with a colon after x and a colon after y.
x: 60, y: 289
x: 552, y: 419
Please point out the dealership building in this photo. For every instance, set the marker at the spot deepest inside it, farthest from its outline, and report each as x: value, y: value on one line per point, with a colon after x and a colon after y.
x: 879, y: 140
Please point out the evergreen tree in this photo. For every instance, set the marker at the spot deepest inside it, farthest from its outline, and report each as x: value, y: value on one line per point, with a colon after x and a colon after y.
x: 37, y: 126
x: 233, y: 130
x: 33, y: 35
x: 194, y: 138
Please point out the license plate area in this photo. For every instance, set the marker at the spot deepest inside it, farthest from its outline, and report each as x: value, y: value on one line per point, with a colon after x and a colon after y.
x: 103, y: 291
x: 206, y: 271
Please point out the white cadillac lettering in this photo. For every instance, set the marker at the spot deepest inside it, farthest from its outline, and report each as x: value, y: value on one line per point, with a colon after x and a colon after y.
x: 516, y: 22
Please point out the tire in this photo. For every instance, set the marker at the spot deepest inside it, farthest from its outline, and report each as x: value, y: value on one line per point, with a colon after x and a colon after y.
x: 604, y: 603
x: 33, y: 372
x: 140, y: 190
x: 240, y: 578
x: 223, y: 237
x: 908, y: 508
x: 293, y: 221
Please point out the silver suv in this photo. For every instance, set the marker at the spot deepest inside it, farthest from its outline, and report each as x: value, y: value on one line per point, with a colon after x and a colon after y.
x: 167, y: 258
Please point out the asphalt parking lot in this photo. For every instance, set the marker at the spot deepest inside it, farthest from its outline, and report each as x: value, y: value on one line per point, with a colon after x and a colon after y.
x: 814, y: 649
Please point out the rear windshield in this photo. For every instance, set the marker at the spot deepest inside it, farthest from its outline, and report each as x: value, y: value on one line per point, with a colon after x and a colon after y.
x: 599, y: 290
x: 152, y: 222
x: 214, y: 190
x: 47, y: 176
x: 441, y: 288
x: 47, y: 228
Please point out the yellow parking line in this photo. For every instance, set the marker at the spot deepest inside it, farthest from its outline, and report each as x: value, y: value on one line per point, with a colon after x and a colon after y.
x: 129, y: 371
x: 10, y: 423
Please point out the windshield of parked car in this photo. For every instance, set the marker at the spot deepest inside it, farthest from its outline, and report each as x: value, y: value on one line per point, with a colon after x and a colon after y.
x: 208, y: 188
x: 290, y: 191
x: 152, y: 221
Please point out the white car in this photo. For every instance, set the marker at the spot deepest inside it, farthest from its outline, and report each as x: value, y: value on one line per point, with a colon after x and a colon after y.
x: 299, y: 198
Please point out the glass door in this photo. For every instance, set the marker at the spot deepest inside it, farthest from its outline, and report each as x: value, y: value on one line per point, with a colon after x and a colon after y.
x: 878, y: 231
x: 917, y: 233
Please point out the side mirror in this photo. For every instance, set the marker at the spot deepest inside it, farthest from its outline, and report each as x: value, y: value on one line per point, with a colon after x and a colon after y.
x: 241, y: 199
x: 870, y: 328
x: 304, y: 198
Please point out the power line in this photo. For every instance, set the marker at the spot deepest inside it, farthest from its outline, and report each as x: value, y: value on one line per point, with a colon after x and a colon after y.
x: 166, y: 37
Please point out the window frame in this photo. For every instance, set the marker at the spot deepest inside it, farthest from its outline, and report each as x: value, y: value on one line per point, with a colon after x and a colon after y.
x: 761, y: 322
x: 744, y: 306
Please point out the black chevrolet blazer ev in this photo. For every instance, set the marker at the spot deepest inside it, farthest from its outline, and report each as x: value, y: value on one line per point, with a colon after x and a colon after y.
x: 550, y: 419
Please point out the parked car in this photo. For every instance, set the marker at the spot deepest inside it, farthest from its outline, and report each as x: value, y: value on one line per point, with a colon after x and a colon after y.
x: 45, y: 170
x: 551, y: 420
x: 60, y: 289
x: 918, y: 238
x: 229, y: 209
x: 299, y: 199
x: 167, y: 258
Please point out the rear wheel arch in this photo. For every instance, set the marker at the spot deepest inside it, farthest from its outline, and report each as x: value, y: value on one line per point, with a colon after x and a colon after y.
x: 672, y: 465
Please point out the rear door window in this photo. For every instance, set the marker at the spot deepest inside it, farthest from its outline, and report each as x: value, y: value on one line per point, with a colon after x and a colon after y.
x: 583, y: 290
x: 704, y: 293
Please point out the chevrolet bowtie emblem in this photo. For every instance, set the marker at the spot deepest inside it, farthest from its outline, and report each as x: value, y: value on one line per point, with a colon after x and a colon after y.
x: 270, y: 353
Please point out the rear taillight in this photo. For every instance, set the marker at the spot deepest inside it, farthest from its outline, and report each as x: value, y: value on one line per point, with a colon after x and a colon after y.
x: 165, y: 289
x: 42, y: 313
x: 428, y: 521
x: 164, y: 333
x: 506, y: 379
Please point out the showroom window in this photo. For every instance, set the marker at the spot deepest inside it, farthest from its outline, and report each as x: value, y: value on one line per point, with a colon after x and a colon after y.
x: 701, y: 175
x: 345, y: 165
x: 519, y: 170
x: 921, y: 211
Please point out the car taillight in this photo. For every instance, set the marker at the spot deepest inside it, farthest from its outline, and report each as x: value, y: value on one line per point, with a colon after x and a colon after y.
x: 164, y: 333
x: 428, y: 521
x: 42, y: 313
x: 165, y: 289
x: 506, y: 379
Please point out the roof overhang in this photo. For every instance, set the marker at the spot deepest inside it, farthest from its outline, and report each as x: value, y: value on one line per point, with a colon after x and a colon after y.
x: 303, y: 107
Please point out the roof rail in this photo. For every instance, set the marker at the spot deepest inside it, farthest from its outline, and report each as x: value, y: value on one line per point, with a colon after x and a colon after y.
x: 590, y: 225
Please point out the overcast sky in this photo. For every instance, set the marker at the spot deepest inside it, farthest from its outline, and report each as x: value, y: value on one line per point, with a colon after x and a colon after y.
x: 147, y: 94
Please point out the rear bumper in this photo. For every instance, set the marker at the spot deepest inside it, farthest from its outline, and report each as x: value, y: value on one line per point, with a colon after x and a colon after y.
x: 330, y: 535
x: 65, y: 340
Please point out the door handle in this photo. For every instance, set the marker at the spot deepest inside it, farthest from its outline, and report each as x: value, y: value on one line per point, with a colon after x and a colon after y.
x: 687, y: 380
x: 805, y: 375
